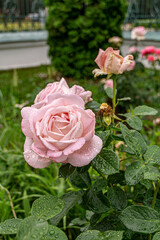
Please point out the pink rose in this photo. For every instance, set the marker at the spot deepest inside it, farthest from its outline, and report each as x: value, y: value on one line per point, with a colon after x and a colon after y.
x: 157, y: 51
x: 62, y: 131
x: 133, y: 50
x: 116, y: 40
x: 108, y: 83
x: 156, y: 121
x: 150, y: 58
x: 61, y: 87
x: 138, y: 33
x: 148, y: 50
x: 110, y: 62
x: 132, y: 66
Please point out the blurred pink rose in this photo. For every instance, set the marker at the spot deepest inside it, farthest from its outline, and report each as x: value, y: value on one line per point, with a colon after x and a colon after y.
x: 148, y: 50
x: 110, y: 62
x: 115, y: 40
x: 132, y: 66
x: 157, y: 51
x: 150, y: 58
x: 62, y: 131
x: 61, y: 87
x: 108, y: 83
x: 138, y: 33
x: 156, y: 121
x: 133, y: 50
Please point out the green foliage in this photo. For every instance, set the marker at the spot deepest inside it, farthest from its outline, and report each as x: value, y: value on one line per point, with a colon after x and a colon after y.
x: 78, y: 28
x: 94, y: 235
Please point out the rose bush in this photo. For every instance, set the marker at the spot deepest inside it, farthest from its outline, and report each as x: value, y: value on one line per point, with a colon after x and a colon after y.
x: 61, y: 130
x: 111, y: 62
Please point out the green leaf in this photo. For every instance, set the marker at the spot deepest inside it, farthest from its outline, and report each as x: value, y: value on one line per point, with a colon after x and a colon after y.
x: 47, y: 207
x: 145, y: 110
x: 96, y: 202
x: 135, y: 122
x: 32, y: 228
x: 134, y: 140
x: 117, y: 198
x: 156, y: 236
x: 66, y: 170
x: 70, y: 199
x: 152, y: 155
x: 141, y: 219
x: 95, y: 106
x: 99, y: 185
x: 10, y: 226
x: 134, y: 173
x: 151, y: 173
x: 54, y: 233
x: 106, y: 162
x: 109, y: 92
x: 117, y: 178
x: 96, y: 235
x: 80, y: 180
x: 103, y: 135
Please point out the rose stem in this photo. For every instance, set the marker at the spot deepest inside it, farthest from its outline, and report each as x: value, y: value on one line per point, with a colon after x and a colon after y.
x: 114, y: 105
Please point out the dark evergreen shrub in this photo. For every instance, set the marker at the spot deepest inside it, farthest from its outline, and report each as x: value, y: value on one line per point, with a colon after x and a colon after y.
x: 78, y: 28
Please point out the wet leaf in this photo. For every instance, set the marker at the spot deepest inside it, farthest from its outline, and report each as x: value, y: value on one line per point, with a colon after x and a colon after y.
x: 32, y: 228
x: 156, y: 236
x: 134, y: 140
x: 135, y: 122
x: 47, y: 207
x: 134, y: 173
x: 80, y: 180
x: 106, y: 162
x: 117, y: 198
x: 54, y: 233
x: 141, y: 219
x: 66, y: 170
x: 152, y: 155
x: 96, y: 235
x: 10, y: 226
x: 144, y: 110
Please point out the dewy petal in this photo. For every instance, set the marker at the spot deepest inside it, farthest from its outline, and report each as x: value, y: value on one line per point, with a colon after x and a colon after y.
x: 100, y: 58
x: 97, y: 72
x: 126, y: 63
x: 32, y: 158
x: 87, y: 153
x: 74, y: 146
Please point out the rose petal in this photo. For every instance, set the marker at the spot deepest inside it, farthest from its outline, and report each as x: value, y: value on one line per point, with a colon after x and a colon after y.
x: 74, y: 147
x: 100, y: 58
x: 87, y: 153
x: 32, y: 158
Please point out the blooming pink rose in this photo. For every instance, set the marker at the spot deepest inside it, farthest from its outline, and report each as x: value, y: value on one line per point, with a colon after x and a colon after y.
x: 108, y: 83
x: 138, y: 33
x: 150, y: 58
x: 156, y: 121
x: 132, y: 66
x: 157, y: 51
x: 62, y: 131
x: 61, y: 87
x: 133, y: 50
x: 148, y: 50
x: 110, y: 62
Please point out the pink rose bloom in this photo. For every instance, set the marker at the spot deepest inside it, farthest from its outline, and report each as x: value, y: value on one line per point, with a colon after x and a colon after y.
x: 108, y: 83
x: 61, y: 87
x: 132, y: 66
x: 150, y: 58
x: 62, y: 131
x: 110, y: 62
x: 156, y: 121
x: 148, y: 50
x: 133, y: 50
x: 116, y: 40
x: 157, y: 51
x: 138, y: 33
